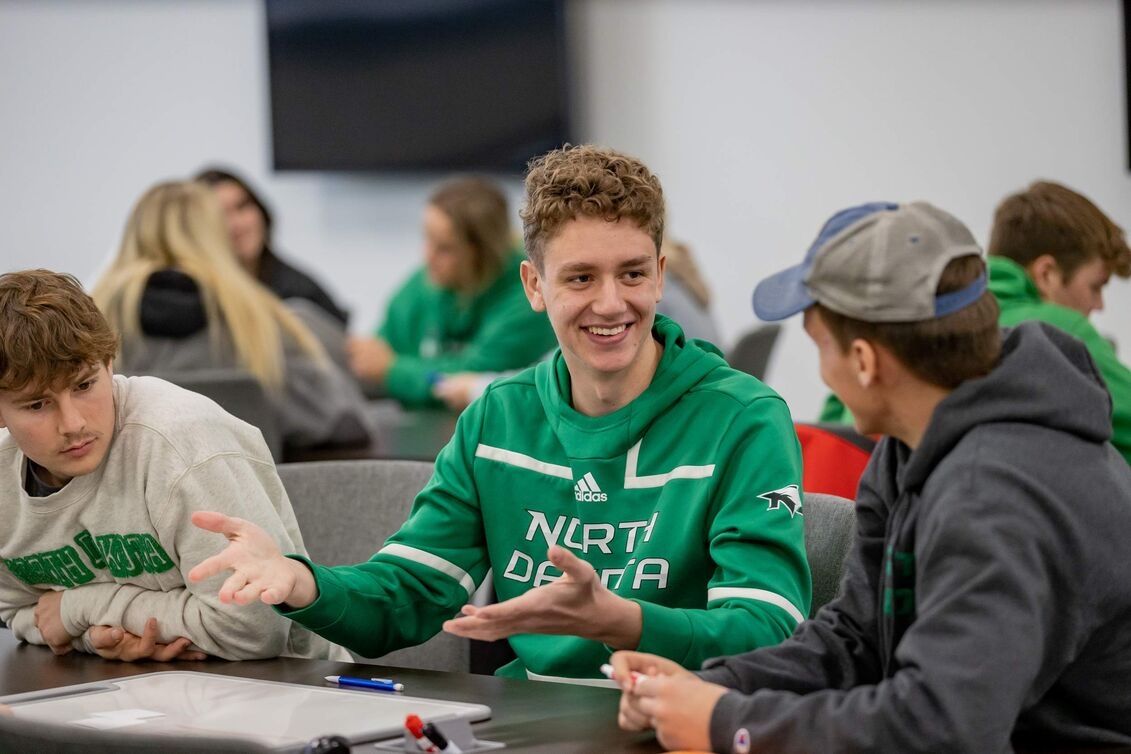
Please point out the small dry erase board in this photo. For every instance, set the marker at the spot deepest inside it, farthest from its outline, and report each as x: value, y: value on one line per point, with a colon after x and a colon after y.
x: 283, y: 716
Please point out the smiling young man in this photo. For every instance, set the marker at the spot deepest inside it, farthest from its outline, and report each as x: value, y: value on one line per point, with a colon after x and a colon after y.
x: 1051, y: 253
x: 633, y: 491
x: 98, y: 477
x: 985, y: 604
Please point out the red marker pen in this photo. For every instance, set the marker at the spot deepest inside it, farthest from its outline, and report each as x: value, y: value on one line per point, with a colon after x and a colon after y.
x: 414, y: 725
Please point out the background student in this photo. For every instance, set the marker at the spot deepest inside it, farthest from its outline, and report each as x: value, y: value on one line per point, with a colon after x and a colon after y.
x: 984, y: 605
x: 249, y: 225
x: 464, y: 309
x: 1051, y: 253
x: 98, y: 477
x: 633, y: 491
x: 181, y: 302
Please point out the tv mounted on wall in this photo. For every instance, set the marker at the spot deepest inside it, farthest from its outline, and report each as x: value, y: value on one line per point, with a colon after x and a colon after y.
x: 416, y: 85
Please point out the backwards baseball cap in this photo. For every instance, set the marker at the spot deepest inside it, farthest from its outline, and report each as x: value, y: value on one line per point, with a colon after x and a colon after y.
x: 877, y: 262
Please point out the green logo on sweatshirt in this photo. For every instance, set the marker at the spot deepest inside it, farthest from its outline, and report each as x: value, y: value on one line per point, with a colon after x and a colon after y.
x: 899, y: 583
x: 124, y: 555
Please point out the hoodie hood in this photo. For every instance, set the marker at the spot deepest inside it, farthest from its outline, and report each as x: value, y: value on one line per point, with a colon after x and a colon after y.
x: 171, y: 306
x: 1045, y: 377
x: 683, y: 364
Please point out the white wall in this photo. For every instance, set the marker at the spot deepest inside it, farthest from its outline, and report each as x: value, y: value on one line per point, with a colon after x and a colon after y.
x: 761, y: 117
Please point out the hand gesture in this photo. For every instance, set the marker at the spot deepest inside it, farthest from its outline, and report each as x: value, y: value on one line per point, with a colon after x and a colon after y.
x: 577, y: 604
x: 49, y: 621
x: 114, y: 643
x: 370, y: 358
x: 259, y: 569
x: 659, y: 694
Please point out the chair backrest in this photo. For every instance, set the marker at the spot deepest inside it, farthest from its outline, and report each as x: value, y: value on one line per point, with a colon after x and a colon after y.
x: 346, y: 510
x: 830, y: 530
x: 26, y: 735
x: 238, y: 393
x: 833, y: 457
x: 751, y: 354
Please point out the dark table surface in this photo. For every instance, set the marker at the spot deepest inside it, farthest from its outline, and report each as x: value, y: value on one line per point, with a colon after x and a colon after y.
x: 528, y: 716
x: 406, y: 434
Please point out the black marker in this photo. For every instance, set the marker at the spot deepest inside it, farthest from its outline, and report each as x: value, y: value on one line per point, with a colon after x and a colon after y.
x: 436, y: 737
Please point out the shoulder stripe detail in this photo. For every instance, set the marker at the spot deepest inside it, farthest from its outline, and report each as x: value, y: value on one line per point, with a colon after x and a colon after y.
x: 511, y: 458
x: 758, y: 595
x: 602, y: 682
x: 633, y: 482
x: 434, y: 562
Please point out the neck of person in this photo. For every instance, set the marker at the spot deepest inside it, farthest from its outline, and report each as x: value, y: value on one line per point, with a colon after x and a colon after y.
x: 911, y: 410
x: 604, y: 394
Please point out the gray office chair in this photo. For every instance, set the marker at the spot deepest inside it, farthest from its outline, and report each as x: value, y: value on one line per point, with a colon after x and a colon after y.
x: 751, y: 354
x: 346, y: 510
x: 238, y: 393
x: 830, y: 530
x: 27, y: 735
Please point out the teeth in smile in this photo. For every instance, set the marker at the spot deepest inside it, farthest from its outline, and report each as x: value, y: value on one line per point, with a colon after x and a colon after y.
x: 607, y: 330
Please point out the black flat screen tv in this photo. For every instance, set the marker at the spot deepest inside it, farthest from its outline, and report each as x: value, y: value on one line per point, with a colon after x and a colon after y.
x: 416, y: 85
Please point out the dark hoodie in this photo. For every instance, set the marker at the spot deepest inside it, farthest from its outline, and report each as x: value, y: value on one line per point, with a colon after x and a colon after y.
x: 986, y: 602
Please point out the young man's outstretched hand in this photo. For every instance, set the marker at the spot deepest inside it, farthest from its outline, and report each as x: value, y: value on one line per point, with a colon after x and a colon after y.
x: 576, y: 604
x: 660, y: 694
x: 259, y: 570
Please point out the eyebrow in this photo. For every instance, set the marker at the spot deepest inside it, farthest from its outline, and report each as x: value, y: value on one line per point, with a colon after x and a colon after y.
x: 571, y: 267
x: 41, y: 393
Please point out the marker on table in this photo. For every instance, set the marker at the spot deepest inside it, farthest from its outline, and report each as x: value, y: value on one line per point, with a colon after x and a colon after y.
x: 443, y: 745
x: 415, y: 726
x: 607, y: 671
x: 373, y: 684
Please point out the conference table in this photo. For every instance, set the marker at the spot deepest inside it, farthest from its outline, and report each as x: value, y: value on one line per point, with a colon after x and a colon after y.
x: 528, y: 716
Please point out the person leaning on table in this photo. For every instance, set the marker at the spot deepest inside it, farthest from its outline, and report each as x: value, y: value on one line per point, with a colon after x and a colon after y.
x: 985, y: 605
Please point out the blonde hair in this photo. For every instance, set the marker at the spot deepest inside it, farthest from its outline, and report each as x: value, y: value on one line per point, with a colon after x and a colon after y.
x: 179, y: 224
x: 478, y: 211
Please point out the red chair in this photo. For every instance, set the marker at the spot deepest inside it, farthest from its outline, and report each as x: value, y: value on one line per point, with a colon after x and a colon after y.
x: 834, y: 457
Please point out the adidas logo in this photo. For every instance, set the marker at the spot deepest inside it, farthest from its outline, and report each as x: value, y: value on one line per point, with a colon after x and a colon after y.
x: 587, y: 491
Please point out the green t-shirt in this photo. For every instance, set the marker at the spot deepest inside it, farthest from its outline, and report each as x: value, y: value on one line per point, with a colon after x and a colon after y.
x: 435, y: 331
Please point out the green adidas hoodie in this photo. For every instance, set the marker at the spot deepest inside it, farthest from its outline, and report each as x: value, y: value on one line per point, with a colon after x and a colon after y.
x: 1020, y: 301
x: 435, y: 331
x: 685, y: 500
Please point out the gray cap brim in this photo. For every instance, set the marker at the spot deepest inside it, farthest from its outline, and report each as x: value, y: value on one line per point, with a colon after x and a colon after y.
x: 782, y: 295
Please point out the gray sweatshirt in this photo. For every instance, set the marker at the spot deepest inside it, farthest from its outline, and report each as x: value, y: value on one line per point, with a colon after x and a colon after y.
x: 986, y: 603
x: 119, y: 542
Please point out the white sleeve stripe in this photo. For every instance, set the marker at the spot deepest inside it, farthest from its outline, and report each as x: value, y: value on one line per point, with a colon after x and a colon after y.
x: 523, y: 461
x: 434, y: 562
x: 758, y: 595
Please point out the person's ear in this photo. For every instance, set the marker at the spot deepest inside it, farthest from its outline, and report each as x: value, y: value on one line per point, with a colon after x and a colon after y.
x: 532, y: 285
x: 865, y: 362
x: 661, y: 265
x: 1046, y: 275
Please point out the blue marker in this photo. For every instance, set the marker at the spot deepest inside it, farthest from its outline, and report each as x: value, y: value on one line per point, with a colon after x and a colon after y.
x: 373, y: 684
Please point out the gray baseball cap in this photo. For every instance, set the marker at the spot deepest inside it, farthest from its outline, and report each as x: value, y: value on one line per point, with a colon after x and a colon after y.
x: 877, y: 262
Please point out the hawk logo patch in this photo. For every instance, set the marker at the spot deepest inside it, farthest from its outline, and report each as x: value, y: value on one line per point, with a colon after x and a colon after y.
x: 787, y: 497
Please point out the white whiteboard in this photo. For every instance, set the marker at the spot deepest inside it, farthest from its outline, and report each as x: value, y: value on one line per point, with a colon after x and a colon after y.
x: 280, y: 715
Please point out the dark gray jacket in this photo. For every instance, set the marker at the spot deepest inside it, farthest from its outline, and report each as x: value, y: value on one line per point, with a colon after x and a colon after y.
x: 986, y: 603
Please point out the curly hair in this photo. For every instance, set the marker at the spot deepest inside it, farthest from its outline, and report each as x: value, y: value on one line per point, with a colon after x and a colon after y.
x: 566, y: 183
x: 50, y: 330
x: 1048, y: 218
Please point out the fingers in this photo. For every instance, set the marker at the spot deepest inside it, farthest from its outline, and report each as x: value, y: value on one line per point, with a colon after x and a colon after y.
x: 631, y: 718
x: 104, y: 637
x: 570, y: 565
x: 213, y: 521
x: 208, y: 568
x: 170, y: 651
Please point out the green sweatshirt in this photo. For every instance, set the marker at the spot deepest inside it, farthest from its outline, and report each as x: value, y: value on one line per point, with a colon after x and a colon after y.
x: 686, y: 500
x: 435, y: 331
x: 1020, y: 302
